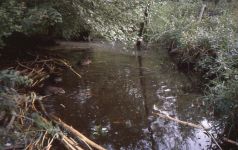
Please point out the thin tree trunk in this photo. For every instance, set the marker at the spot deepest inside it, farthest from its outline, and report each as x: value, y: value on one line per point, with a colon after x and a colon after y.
x: 201, y: 13
x: 142, y: 29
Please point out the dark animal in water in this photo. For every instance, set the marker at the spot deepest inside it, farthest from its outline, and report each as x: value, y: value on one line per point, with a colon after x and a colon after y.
x: 85, y: 62
x: 53, y: 90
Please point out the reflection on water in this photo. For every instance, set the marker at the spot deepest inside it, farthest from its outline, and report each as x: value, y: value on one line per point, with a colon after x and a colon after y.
x: 113, y: 102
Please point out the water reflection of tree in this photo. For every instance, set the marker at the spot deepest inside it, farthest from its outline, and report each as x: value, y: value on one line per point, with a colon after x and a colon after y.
x: 145, y: 103
x: 117, y: 102
x: 166, y: 134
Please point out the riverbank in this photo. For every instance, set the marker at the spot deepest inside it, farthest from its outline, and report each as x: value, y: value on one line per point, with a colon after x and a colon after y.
x: 214, y: 68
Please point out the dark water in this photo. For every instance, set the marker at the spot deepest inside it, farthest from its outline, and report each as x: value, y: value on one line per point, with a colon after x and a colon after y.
x: 113, y: 101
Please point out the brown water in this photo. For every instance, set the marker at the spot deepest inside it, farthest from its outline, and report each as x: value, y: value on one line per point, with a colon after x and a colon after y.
x: 113, y: 101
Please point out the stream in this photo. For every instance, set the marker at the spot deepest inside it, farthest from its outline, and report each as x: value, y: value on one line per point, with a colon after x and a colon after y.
x: 114, y: 101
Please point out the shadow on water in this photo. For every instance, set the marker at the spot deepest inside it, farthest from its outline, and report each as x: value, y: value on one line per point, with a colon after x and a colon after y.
x: 113, y: 101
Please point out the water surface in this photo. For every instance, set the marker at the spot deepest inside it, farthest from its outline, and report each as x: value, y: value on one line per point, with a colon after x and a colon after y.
x: 113, y: 101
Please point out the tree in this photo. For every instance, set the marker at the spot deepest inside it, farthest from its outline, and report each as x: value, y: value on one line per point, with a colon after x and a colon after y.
x: 114, y: 20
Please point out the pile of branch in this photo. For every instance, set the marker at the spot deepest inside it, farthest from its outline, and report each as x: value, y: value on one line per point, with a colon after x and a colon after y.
x: 25, y: 117
x: 37, y: 127
x: 39, y: 69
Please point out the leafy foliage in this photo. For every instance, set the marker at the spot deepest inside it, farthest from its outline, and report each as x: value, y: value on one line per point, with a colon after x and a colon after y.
x: 11, y: 13
x: 39, y: 19
x: 113, y: 20
x: 27, y: 18
x: 21, y: 106
x: 10, y: 98
x: 12, y: 78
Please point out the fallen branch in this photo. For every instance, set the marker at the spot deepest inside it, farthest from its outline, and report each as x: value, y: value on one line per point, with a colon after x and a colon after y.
x: 213, y: 138
x: 9, y: 126
x: 179, y: 121
x: 77, y: 133
x: 69, y: 66
x: 24, y: 66
x: 189, y: 124
x: 72, y: 144
x: 230, y: 141
x: 201, y: 13
x: 67, y: 144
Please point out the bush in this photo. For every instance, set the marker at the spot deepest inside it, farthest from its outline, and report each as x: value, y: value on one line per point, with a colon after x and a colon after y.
x: 209, y: 44
x: 11, y: 13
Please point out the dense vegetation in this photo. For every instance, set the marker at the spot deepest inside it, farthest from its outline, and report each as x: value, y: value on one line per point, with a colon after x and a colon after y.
x: 72, y: 19
x: 206, y: 43
x: 207, y: 46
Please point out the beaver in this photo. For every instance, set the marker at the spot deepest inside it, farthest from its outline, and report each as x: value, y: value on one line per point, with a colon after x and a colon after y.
x: 84, y: 62
x: 53, y: 90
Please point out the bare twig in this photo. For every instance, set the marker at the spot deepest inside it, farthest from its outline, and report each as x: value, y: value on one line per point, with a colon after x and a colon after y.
x: 67, y: 144
x: 43, y: 138
x: 68, y: 66
x: 12, y: 120
x: 75, y: 143
x: 201, y: 13
x: 72, y: 143
x: 230, y: 141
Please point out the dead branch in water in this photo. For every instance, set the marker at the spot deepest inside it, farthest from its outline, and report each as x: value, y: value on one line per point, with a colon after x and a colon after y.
x: 188, y: 124
x: 179, y: 121
x: 77, y: 133
x: 230, y: 141
x: 213, y: 138
x: 68, y: 66
x: 198, y: 127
